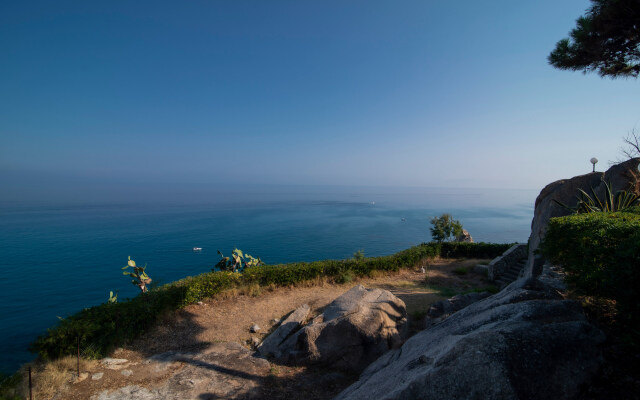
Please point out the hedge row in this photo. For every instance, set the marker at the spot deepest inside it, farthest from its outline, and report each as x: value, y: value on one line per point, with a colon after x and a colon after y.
x: 101, y: 328
x: 600, y: 253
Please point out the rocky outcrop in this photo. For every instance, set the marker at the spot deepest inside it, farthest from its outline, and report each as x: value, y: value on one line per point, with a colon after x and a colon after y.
x: 444, y: 308
x: 525, y: 342
x: 226, y: 370
x: 353, y: 331
x: 624, y: 176
x: 464, y: 237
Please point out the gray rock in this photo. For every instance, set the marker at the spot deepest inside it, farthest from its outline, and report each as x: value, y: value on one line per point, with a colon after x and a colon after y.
x: 353, y: 331
x: 164, y: 361
x: 524, y: 342
x: 465, y: 237
x: 254, y: 328
x: 97, y: 376
x: 293, y: 323
x: 444, y: 308
x: 225, y: 370
x: 115, y: 363
x: 623, y: 176
x: 132, y: 392
x: 126, y: 372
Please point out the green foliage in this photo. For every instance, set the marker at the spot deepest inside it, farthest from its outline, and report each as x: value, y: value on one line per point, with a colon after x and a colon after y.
x: 491, y: 289
x: 473, y: 250
x: 141, y: 279
x: 345, y: 276
x: 10, y: 386
x: 445, y: 228
x: 358, y: 255
x: 443, y: 291
x: 104, y: 327
x: 600, y: 253
x: 606, y: 40
x: 588, y: 203
x: 460, y: 271
x: 237, y: 262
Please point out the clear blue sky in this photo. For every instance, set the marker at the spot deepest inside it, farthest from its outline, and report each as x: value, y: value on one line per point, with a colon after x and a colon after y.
x: 410, y: 93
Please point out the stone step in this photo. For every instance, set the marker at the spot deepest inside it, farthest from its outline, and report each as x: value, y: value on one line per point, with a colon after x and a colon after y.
x: 501, y: 284
x: 509, y: 278
x: 511, y: 272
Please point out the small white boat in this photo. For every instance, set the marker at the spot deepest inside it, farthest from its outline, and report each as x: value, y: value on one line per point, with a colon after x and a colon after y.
x: 197, y: 249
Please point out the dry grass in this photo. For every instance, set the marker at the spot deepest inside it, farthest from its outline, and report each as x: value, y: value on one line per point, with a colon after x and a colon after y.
x: 48, y: 377
x: 228, y: 316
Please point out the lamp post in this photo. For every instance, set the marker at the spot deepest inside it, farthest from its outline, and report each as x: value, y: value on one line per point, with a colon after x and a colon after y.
x: 594, y: 161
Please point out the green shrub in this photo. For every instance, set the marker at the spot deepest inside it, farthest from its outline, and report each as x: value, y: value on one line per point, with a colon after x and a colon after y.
x: 10, y: 386
x: 621, y: 200
x: 460, y: 271
x: 473, y: 250
x: 600, y: 253
x: 104, y: 327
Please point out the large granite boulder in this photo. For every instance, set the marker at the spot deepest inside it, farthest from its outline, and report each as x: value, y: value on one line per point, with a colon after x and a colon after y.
x: 444, y: 308
x: 271, y: 345
x: 623, y: 176
x: 525, y: 342
x: 353, y: 331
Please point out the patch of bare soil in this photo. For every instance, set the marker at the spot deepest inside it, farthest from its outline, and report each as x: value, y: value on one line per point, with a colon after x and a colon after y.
x: 229, y: 318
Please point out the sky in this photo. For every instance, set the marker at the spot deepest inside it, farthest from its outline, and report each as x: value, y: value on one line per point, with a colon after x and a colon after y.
x: 132, y: 97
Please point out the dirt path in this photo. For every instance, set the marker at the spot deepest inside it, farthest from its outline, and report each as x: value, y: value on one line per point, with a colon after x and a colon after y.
x: 200, y: 335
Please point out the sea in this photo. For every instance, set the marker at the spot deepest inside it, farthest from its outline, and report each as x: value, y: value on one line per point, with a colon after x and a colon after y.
x: 58, y: 257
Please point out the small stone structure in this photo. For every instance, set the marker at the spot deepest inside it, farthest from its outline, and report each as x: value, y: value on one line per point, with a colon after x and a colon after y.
x: 499, y: 266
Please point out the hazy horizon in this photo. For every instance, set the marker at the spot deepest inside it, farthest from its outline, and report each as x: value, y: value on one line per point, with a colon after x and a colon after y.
x: 117, y: 99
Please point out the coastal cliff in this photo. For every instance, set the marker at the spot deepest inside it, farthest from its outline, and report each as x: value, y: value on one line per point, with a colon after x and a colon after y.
x: 527, y: 341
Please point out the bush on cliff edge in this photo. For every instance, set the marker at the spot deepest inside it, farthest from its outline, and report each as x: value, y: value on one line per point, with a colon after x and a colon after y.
x: 600, y: 253
x: 101, y: 328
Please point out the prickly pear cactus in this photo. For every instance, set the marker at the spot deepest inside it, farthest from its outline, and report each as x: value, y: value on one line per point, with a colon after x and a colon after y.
x: 113, y: 298
x: 237, y: 262
x: 141, y: 279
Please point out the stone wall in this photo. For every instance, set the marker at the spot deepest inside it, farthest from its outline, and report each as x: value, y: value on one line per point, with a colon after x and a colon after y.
x: 501, y: 264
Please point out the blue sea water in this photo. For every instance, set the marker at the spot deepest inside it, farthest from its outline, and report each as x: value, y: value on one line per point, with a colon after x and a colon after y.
x: 59, y: 258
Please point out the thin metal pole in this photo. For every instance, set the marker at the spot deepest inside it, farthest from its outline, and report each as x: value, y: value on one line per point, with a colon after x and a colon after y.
x: 30, y: 393
x: 78, y: 364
